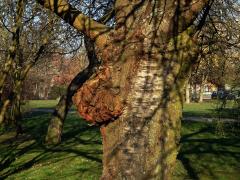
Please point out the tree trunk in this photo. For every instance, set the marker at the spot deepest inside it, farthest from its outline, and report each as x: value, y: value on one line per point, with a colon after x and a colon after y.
x: 136, y: 96
x: 14, y: 47
x: 137, y: 99
x: 14, y: 50
x: 143, y: 142
x: 4, y: 74
x: 56, y: 123
x: 201, y: 89
x: 16, y: 114
x: 12, y: 107
x: 200, y: 100
x: 3, y: 111
x: 55, y: 127
x: 195, y: 93
x: 187, y: 93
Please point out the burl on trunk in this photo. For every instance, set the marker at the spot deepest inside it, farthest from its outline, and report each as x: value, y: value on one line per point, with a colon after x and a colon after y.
x: 95, y: 100
x: 136, y: 95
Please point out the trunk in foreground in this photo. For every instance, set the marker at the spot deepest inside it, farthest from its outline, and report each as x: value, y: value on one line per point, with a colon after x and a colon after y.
x: 143, y: 142
x: 16, y: 109
x: 137, y: 101
x: 136, y: 96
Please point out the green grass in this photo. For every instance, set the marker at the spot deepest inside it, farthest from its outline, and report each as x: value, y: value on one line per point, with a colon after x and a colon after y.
x: 78, y: 157
x: 206, y: 152
x: 209, y: 151
x: 211, y: 109
x: 199, y: 109
x: 41, y: 103
x: 205, y: 109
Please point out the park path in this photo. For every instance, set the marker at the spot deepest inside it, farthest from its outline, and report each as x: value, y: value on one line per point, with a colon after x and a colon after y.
x: 208, y: 119
x: 188, y: 118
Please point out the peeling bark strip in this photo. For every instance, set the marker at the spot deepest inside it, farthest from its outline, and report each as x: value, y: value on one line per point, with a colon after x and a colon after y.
x: 146, y: 62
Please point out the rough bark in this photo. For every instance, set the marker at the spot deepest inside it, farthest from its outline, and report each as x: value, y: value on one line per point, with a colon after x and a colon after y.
x: 55, y: 127
x: 148, y: 58
x: 141, y: 142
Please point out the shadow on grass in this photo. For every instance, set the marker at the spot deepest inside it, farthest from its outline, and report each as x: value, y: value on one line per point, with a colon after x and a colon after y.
x: 206, y: 155
x: 213, y: 109
x: 28, y: 150
x: 232, y: 113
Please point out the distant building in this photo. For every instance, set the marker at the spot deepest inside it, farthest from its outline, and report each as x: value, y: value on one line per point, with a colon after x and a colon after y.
x: 205, y: 90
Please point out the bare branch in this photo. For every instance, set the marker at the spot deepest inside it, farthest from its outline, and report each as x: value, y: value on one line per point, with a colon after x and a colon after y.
x: 89, y: 27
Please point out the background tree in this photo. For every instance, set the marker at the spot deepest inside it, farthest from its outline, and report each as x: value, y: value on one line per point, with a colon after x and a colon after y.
x: 34, y: 35
x: 103, y: 14
x: 220, y: 44
x: 55, y: 127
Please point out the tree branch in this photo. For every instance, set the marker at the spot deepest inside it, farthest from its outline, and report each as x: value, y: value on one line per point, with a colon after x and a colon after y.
x: 96, y: 31
x: 191, y: 10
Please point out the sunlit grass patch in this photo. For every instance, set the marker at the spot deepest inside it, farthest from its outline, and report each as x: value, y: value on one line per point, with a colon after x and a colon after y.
x: 79, y: 156
x: 212, y: 109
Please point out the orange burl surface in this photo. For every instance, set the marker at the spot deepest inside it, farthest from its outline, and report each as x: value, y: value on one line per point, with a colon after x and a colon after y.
x: 95, y: 101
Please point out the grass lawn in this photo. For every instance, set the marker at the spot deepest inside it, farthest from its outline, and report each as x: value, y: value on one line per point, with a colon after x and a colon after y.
x: 199, y: 109
x: 78, y: 157
x: 208, y: 151
x: 211, y: 109
x: 204, y: 154
x: 205, y: 109
x: 41, y: 104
